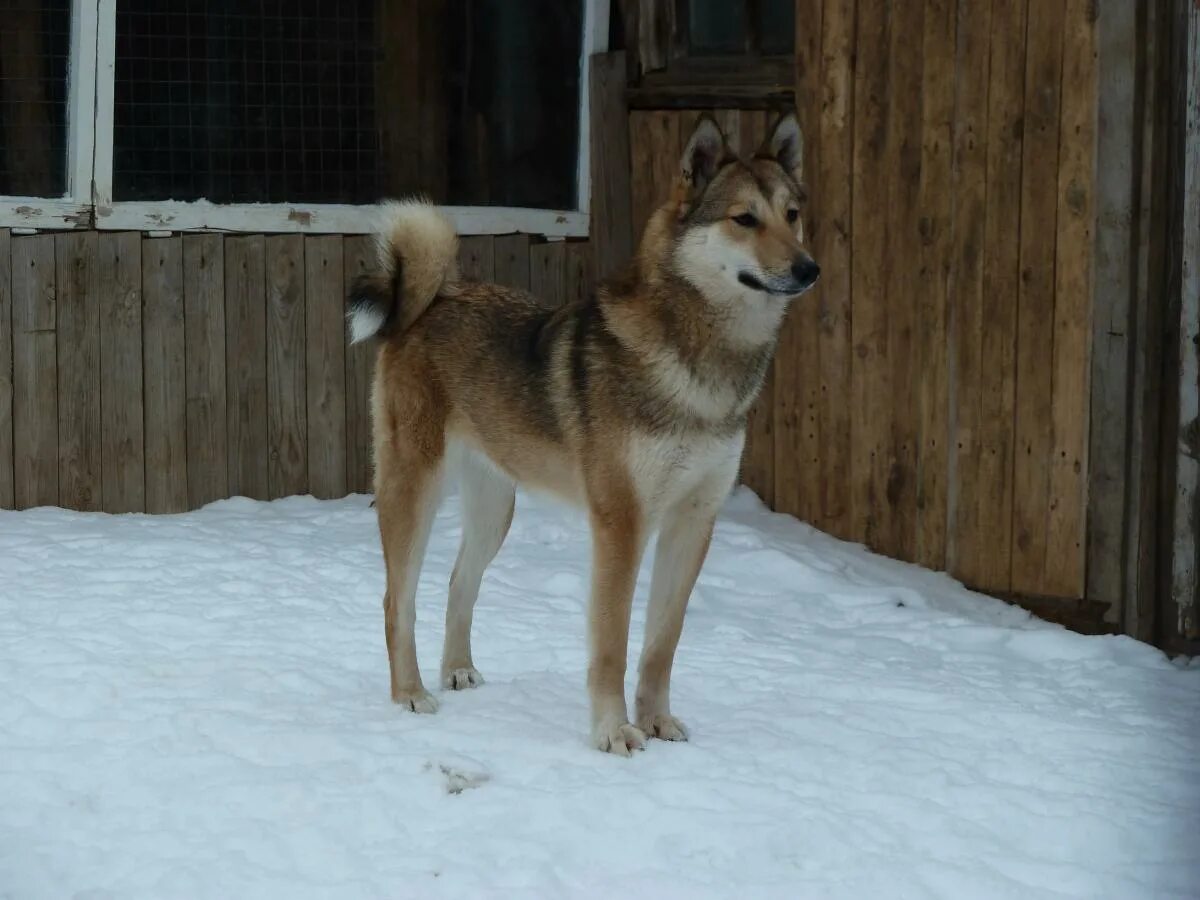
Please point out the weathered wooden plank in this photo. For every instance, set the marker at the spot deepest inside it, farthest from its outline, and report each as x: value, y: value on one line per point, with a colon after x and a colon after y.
x: 655, y: 25
x: 654, y: 137
x: 935, y: 224
x: 548, y: 272
x: 8, y: 495
x: 165, y: 375
x: 122, y: 428
x: 870, y: 397
x: 905, y: 285
x: 358, y: 253
x: 579, y: 271
x: 324, y: 286
x: 246, y: 365
x: 745, y: 131
x: 1151, y: 441
x: 511, y: 258
x: 1110, y: 468
x: 611, y: 202
x: 287, y: 397
x: 1001, y: 276
x: 204, y: 330
x: 966, y: 545
x: 78, y: 332
x: 476, y: 260
x: 832, y: 168
x: 1035, y: 319
x: 1186, y: 623
x: 1063, y: 573
x: 35, y: 372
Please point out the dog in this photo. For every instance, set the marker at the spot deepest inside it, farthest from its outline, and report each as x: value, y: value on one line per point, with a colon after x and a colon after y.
x: 631, y: 404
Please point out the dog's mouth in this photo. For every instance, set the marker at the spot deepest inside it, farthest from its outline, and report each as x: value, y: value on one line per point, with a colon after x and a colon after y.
x: 789, y: 288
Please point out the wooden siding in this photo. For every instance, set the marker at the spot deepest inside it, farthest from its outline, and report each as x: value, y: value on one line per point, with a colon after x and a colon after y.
x: 158, y: 374
x: 930, y: 398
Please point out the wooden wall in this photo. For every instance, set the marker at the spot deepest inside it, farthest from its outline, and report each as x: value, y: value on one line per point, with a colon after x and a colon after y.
x: 930, y: 397
x: 158, y: 374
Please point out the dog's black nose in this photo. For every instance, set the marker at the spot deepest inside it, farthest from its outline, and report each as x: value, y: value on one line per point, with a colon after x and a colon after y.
x: 806, y: 272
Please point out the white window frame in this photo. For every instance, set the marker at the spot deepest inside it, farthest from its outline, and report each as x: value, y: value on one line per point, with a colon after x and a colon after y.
x: 89, y: 200
x: 74, y: 208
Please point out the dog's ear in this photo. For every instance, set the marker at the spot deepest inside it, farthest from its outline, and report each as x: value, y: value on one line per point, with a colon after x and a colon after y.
x: 707, y: 151
x: 786, y: 146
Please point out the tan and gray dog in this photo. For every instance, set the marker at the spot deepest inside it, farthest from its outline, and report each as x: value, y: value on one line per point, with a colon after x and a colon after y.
x: 631, y: 403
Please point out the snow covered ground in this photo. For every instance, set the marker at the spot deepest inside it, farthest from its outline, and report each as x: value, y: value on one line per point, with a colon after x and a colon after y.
x: 196, y: 706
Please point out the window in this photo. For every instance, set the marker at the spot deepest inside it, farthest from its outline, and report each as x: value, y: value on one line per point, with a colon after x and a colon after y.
x: 279, y: 115
x: 235, y: 102
x: 47, y: 98
x: 712, y: 52
x: 35, y: 40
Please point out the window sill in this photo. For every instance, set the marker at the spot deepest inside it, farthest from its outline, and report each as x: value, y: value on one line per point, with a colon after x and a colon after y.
x: 42, y: 212
x: 254, y: 218
x: 702, y: 96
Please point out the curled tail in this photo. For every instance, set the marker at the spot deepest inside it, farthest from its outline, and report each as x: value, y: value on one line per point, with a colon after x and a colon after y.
x: 416, y: 252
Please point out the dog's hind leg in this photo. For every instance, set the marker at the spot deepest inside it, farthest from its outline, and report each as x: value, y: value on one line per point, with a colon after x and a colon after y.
x: 682, y: 545
x: 487, y: 509
x: 407, y: 490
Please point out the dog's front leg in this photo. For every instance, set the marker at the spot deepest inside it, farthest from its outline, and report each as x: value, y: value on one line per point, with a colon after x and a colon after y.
x: 682, y: 545
x: 617, y: 542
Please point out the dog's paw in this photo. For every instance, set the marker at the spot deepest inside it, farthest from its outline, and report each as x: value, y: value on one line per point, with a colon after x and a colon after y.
x: 620, y: 739
x: 461, y: 678
x: 418, y: 701
x: 663, y: 726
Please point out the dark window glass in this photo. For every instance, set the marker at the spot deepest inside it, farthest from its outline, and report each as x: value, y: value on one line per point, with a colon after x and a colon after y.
x: 347, y: 101
x: 777, y: 26
x: 513, y: 136
x: 35, y: 39
x: 716, y: 28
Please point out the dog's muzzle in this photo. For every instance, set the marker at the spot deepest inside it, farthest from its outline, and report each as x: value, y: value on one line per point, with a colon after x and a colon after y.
x: 803, y: 275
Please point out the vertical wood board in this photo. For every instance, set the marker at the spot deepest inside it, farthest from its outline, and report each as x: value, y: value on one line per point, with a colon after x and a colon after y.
x: 7, y: 492
x: 358, y: 254
x: 78, y: 332
x: 287, y: 397
x: 324, y: 283
x: 246, y: 365
x: 35, y: 372
x: 122, y: 423
x: 204, y: 335
x: 164, y: 370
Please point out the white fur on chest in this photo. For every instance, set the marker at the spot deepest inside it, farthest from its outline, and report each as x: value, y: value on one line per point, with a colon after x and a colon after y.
x: 677, y: 384
x: 667, y: 469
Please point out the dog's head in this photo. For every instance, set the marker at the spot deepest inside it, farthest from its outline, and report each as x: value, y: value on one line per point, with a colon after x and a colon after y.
x: 739, y: 232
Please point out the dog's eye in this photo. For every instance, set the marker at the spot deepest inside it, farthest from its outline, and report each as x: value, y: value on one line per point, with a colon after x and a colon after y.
x: 746, y: 220
x: 792, y: 216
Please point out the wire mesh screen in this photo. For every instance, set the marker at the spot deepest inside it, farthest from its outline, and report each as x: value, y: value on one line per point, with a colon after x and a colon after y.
x: 471, y: 102
x: 239, y: 101
x: 35, y: 40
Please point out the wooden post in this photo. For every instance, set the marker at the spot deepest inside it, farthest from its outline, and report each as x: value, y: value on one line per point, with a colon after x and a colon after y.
x: 7, y: 492
x: 1112, y: 300
x: 612, y: 237
x: 1187, y: 480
